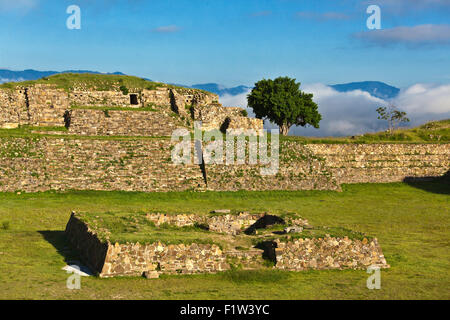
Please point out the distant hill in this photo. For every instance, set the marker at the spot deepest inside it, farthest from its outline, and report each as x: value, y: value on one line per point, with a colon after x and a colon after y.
x: 220, y: 90
x: 375, y: 88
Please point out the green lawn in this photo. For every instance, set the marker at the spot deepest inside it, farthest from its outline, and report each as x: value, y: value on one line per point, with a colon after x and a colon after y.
x: 411, y: 222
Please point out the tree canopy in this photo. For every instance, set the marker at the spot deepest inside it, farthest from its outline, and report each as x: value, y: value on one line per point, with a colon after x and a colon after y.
x: 282, y: 102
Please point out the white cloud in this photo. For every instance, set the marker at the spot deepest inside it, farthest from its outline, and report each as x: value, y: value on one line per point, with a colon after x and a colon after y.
x: 354, y: 112
x: 425, y: 99
x: 21, y: 5
x: 427, y: 34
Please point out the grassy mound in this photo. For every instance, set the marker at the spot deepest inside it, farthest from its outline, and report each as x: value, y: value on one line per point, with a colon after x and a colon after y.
x: 431, y: 132
x: 100, y: 82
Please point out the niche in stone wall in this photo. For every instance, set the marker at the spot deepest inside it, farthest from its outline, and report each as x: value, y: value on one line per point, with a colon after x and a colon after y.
x: 225, y: 125
x: 134, y: 99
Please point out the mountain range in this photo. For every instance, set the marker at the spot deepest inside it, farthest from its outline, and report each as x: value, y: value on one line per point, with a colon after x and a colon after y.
x: 375, y: 88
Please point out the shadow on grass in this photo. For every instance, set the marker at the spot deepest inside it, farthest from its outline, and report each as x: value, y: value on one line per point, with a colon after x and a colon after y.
x: 58, y: 240
x: 439, y: 185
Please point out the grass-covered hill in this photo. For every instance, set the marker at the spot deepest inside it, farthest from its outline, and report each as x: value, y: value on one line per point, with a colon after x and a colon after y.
x: 87, y: 81
x: 431, y: 132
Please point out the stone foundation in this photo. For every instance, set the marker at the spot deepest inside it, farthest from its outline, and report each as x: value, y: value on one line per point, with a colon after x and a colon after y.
x: 328, y: 253
x: 134, y: 259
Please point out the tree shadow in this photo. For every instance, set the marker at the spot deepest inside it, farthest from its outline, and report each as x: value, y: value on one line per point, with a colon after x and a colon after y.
x: 438, y: 185
x: 59, y: 240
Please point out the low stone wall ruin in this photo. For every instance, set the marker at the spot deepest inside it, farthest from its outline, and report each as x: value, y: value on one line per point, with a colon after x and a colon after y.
x: 228, y: 223
x: 135, y: 259
x: 328, y: 253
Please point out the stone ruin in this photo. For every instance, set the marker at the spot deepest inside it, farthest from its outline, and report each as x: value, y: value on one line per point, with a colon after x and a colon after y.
x: 85, y: 111
x: 107, y: 259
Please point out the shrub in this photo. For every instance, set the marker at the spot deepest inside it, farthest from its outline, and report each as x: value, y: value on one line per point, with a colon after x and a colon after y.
x: 124, y: 90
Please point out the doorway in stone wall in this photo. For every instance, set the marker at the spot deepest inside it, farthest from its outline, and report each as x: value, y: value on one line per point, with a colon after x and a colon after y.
x: 134, y: 99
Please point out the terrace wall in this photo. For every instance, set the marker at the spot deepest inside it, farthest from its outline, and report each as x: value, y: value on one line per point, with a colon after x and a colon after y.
x: 40, y: 164
x: 116, y: 123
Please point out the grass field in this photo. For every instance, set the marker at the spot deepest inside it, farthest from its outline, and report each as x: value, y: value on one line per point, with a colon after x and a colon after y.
x: 411, y: 222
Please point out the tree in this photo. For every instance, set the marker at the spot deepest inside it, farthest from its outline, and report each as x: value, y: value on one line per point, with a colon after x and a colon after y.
x: 393, y: 116
x: 282, y: 102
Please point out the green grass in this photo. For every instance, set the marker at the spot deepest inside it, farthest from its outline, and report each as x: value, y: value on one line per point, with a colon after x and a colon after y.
x: 411, y: 222
x: 100, y: 82
x: 132, y: 228
x: 135, y: 227
x: 431, y: 132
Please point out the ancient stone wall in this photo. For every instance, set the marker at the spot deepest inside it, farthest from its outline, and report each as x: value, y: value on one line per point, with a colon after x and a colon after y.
x: 40, y: 164
x: 374, y: 163
x: 134, y: 259
x: 158, y: 97
x: 328, y: 253
x: 46, y: 106
x: 91, y: 250
x: 228, y: 223
x: 127, y: 123
x: 298, y: 169
x: 39, y: 105
x: 216, y: 116
x: 13, y: 108
x: 100, y: 98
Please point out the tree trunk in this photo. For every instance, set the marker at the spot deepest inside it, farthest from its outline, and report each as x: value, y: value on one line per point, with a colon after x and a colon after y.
x: 284, y: 129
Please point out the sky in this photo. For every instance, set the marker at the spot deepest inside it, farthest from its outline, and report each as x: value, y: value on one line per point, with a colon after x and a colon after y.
x: 233, y: 42
x: 239, y: 42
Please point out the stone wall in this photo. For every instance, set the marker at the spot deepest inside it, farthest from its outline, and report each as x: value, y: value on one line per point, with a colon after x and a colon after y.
x: 40, y: 164
x: 45, y: 105
x: 228, y: 223
x: 91, y: 250
x: 328, y: 253
x: 117, y: 123
x: 216, y: 116
x: 134, y: 259
x: 100, y: 98
x: 298, y: 169
x: 13, y: 108
x: 39, y: 105
x: 375, y: 163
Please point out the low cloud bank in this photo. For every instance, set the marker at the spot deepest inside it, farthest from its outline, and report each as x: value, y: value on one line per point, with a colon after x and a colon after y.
x: 354, y: 112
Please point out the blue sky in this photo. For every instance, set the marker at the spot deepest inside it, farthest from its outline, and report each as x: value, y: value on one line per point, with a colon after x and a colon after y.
x: 233, y: 42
